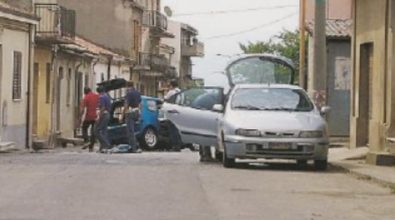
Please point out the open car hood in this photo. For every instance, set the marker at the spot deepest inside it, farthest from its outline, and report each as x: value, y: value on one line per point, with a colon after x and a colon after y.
x: 113, y: 84
x: 260, y: 69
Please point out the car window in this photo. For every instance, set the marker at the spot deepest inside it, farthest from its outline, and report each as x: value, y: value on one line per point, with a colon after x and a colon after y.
x: 272, y: 99
x: 257, y: 70
x: 199, y: 98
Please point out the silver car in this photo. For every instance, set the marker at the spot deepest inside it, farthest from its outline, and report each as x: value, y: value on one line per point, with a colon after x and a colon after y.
x: 274, y: 122
x: 262, y: 115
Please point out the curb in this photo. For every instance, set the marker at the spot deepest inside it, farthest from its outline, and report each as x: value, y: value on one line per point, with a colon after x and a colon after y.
x: 366, y: 177
x: 9, y: 149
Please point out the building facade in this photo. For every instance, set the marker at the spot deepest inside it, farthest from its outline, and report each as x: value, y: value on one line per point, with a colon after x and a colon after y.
x: 62, y: 68
x: 373, y: 88
x: 337, y: 80
x: 186, y: 46
x: 17, y: 22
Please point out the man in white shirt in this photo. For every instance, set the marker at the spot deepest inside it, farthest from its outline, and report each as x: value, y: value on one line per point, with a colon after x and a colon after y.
x: 173, y: 89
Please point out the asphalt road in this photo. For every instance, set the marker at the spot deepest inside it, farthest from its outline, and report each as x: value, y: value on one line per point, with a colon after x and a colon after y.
x: 175, y: 186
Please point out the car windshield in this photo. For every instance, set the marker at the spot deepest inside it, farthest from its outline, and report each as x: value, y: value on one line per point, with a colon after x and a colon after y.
x: 271, y: 99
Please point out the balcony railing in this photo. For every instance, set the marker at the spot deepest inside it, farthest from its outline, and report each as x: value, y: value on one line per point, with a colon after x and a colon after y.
x: 194, y: 50
x: 153, y: 62
x: 56, y: 22
x: 155, y: 19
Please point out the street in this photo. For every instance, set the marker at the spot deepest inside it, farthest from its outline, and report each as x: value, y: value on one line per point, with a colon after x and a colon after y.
x: 161, y: 185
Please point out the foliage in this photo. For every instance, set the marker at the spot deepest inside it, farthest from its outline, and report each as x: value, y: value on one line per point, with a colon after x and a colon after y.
x: 284, y: 44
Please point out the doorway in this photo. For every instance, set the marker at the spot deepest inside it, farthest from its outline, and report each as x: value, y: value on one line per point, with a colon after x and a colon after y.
x: 1, y: 86
x: 365, y: 93
x: 59, y: 98
x: 35, y: 97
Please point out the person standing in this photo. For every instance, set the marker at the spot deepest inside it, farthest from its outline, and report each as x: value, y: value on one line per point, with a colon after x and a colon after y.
x: 89, y: 107
x: 132, y: 114
x: 175, y: 138
x: 173, y: 89
x: 101, y: 126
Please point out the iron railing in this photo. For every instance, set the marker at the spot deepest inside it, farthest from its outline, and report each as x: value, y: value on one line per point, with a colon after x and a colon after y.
x: 156, y: 62
x: 55, y: 21
x: 155, y: 19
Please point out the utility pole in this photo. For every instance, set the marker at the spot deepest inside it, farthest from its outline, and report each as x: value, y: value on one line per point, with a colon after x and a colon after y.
x: 319, y: 57
x: 302, y: 44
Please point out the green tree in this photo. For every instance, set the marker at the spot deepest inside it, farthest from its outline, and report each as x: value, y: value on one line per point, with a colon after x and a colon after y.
x: 284, y: 44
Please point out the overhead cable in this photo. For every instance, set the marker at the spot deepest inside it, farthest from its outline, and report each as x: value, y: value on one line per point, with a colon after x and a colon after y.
x: 254, y: 28
x: 234, y: 11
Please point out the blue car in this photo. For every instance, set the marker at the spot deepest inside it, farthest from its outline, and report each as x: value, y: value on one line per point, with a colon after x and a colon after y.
x: 146, y: 129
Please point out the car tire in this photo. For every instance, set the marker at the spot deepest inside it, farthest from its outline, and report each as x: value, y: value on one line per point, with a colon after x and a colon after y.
x: 321, y: 164
x: 226, y: 161
x: 149, y: 139
x: 218, y: 155
x: 301, y: 163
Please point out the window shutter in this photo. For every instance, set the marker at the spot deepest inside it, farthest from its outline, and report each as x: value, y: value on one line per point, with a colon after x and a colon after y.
x: 17, y: 76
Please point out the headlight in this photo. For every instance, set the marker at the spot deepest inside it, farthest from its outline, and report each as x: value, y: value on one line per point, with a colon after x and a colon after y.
x: 248, y: 132
x: 311, y: 134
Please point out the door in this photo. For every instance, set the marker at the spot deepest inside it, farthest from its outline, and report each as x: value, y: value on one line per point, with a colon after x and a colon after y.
x: 1, y: 86
x: 59, y: 98
x: 191, y: 111
x: 35, y: 97
x: 365, y: 93
x: 339, y: 98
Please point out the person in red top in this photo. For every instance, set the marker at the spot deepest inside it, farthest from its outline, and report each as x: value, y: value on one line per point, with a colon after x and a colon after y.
x: 89, y: 107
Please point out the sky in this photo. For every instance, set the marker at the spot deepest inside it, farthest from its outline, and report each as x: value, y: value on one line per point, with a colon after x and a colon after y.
x: 256, y: 25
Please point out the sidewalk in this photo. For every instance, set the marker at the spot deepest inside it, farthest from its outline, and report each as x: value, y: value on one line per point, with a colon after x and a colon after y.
x: 353, y: 161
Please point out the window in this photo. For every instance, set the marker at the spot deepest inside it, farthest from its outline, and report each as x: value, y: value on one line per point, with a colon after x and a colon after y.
x: 86, y: 80
x: 68, y: 87
x: 48, y: 83
x: 198, y: 98
x: 17, y: 76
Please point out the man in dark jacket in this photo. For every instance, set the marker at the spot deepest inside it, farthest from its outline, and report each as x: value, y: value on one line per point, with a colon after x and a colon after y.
x: 132, y: 114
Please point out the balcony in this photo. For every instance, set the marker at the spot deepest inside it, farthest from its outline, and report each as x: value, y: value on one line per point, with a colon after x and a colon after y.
x: 157, y: 22
x: 153, y: 64
x: 57, y: 24
x: 194, y: 50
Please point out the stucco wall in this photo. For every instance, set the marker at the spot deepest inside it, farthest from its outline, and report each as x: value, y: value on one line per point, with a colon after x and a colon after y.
x: 335, y: 9
x: 13, y: 111
x: 370, y: 28
x: 106, y: 22
x: 174, y: 28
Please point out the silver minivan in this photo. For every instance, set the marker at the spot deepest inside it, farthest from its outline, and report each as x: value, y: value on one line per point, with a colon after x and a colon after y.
x: 262, y: 116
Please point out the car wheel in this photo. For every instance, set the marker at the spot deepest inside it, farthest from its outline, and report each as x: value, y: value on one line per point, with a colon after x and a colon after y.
x: 320, y: 164
x: 149, y: 139
x: 218, y: 155
x: 301, y: 163
x: 226, y: 161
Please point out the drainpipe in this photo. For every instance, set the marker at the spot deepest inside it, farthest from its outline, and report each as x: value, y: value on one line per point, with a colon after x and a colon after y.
x: 29, y: 87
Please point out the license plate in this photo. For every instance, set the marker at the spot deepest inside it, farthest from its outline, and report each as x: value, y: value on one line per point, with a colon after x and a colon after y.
x: 280, y: 146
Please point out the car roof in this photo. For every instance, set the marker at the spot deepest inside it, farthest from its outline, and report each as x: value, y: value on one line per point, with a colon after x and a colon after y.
x: 275, y: 86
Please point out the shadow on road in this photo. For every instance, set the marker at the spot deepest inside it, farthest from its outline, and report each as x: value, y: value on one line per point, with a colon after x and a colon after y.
x: 281, y: 166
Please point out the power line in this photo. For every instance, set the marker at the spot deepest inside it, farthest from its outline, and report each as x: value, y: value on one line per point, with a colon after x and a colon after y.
x: 234, y: 11
x: 254, y: 28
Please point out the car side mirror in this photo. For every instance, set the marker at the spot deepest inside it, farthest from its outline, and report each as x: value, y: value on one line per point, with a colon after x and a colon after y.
x: 325, y: 110
x: 218, y: 108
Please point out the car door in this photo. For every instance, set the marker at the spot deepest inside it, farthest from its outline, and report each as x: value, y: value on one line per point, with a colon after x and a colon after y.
x: 191, y: 111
